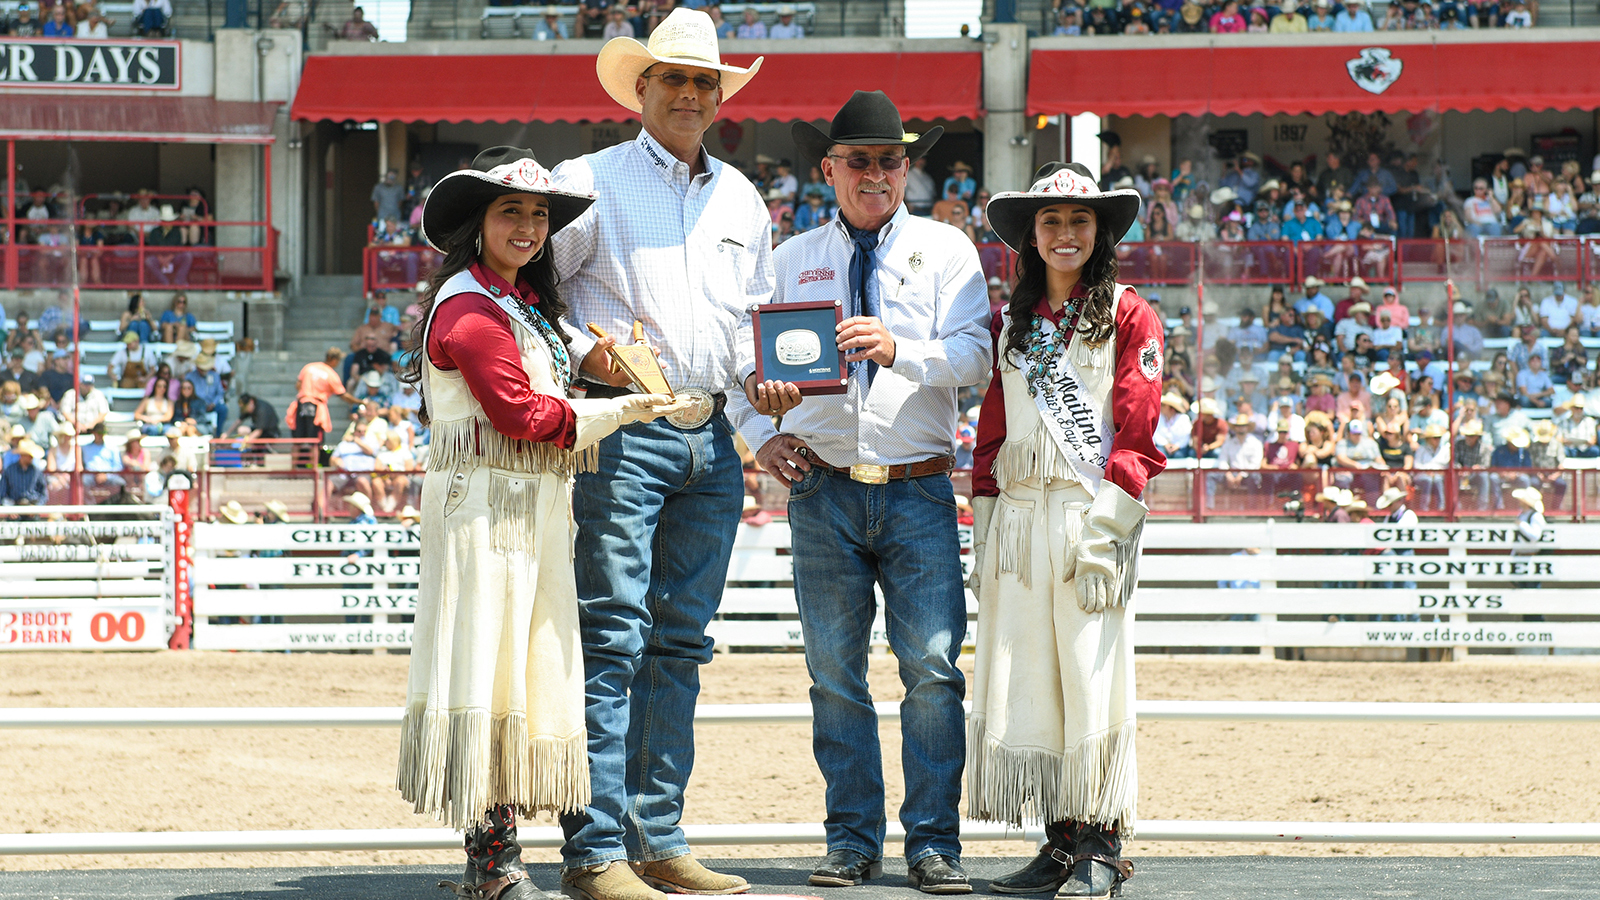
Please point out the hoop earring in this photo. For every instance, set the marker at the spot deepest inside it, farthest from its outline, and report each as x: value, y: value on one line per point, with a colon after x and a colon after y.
x: 540, y: 255
x: 478, y: 243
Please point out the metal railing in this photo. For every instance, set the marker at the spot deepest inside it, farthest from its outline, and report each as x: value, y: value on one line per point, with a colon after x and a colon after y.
x: 806, y: 832
x: 122, y: 256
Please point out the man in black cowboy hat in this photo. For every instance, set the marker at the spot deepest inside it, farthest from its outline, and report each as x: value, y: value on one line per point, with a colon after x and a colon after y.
x: 871, y: 500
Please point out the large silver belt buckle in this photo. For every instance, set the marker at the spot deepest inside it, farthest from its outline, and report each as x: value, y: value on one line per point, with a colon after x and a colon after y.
x: 698, y: 407
x: 866, y: 473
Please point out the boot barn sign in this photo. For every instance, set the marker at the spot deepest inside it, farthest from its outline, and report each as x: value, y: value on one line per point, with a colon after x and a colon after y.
x: 144, y: 65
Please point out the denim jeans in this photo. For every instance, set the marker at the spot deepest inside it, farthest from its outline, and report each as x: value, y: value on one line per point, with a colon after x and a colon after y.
x: 902, y: 535
x: 655, y: 529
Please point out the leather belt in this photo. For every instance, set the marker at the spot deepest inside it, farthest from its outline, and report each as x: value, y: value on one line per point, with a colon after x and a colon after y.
x: 866, y: 473
x: 691, y: 419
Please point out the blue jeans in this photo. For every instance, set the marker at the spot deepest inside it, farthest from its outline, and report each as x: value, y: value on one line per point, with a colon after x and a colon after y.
x: 901, y: 535
x: 655, y: 529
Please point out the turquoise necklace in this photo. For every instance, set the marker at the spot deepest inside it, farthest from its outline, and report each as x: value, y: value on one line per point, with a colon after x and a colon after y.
x: 561, y: 363
x: 1044, y: 349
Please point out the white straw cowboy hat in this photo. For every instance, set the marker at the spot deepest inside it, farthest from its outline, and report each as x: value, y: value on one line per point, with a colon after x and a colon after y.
x: 1529, y: 497
x: 1011, y: 212
x: 1388, y: 497
x: 235, y: 513
x: 495, y: 172
x: 360, y: 501
x: 687, y: 37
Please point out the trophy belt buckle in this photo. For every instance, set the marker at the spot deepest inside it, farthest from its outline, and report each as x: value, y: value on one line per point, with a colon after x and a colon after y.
x: 696, y: 413
x: 867, y: 473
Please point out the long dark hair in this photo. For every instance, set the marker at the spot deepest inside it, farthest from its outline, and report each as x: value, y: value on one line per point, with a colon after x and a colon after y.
x: 1099, y: 276
x: 461, y: 251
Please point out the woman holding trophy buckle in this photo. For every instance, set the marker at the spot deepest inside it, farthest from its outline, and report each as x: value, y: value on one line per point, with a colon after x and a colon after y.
x: 494, y: 720
x: 1065, y: 448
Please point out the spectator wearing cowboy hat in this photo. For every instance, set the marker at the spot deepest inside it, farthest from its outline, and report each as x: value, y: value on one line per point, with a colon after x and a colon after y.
x: 786, y: 29
x: 23, y: 481
x: 667, y: 495
x: 896, y: 421
x: 961, y: 178
x: 1174, y: 430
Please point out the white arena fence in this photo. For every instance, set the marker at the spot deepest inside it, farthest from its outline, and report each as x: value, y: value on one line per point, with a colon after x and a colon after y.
x: 86, y: 577
x: 1202, y: 586
x: 804, y: 832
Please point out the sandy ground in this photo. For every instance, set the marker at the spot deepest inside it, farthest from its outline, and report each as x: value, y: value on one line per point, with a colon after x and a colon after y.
x: 195, y: 780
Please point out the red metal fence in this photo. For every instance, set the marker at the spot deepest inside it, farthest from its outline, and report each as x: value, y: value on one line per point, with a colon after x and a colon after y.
x: 41, y: 256
x: 1482, y: 261
x: 1193, y: 493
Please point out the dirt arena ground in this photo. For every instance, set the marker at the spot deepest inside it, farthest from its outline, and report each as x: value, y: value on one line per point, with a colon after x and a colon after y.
x: 198, y: 780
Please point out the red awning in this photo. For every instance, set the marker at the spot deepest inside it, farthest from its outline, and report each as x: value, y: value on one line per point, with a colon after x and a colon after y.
x: 1402, y: 72
x: 563, y: 88
x: 74, y: 117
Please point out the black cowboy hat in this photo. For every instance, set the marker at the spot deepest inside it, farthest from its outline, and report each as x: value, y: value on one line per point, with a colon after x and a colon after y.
x: 868, y: 118
x: 1010, y: 213
x: 495, y: 172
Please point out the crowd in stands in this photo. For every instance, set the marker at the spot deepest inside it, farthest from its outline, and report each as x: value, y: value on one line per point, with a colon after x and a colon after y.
x: 66, y: 416
x: 172, y: 224
x: 64, y: 19
x: 1099, y: 17
x: 1311, y: 382
x: 609, y: 19
x: 1297, y: 200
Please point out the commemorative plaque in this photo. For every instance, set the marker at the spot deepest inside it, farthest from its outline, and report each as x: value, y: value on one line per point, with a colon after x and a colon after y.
x: 638, y: 360
x: 798, y: 343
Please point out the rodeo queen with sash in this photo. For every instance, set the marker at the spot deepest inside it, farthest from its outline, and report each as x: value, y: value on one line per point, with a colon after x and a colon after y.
x: 494, y: 704
x: 1065, y: 447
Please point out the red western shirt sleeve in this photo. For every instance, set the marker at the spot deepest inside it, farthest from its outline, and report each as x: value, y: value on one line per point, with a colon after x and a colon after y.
x: 991, y: 424
x: 472, y: 334
x: 1136, y: 397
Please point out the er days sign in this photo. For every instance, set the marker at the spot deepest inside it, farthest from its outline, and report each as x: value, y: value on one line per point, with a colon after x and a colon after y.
x: 148, y: 65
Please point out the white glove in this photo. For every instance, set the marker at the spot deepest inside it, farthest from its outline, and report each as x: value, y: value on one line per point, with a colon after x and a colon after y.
x: 1111, y: 519
x: 982, y: 513
x: 597, y: 418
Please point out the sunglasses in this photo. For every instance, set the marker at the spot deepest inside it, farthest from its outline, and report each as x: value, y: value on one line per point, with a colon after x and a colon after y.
x: 886, y: 163
x: 703, y: 83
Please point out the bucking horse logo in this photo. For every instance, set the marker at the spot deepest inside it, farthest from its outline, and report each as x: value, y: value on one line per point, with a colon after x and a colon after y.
x: 1374, y: 70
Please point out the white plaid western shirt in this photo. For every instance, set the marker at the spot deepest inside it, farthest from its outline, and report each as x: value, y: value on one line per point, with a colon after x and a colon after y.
x: 687, y: 257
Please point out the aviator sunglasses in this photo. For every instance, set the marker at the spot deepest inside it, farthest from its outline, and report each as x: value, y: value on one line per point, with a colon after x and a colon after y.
x: 703, y: 83
x: 886, y: 163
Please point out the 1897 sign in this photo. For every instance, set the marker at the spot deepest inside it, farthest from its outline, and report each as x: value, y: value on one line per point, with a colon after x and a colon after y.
x: 149, y: 65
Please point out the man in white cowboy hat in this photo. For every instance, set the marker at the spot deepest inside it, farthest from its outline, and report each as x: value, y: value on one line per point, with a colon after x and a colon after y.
x: 787, y: 28
x: 1530, y: 525
x: 167, y: 267
x: 1174, y: 429
x: 1576, y: 427
x: 679, y: 242
x: 209, y: 388
x: 871, y: 495
x: 1314, y: 299
x: 23, y: 482
x: 1431, y: 457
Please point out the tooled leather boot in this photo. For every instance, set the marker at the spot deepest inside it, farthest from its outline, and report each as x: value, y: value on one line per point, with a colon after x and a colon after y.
x: 1098, y: 869
x: 1047, y: 871
x: 494, y: 861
